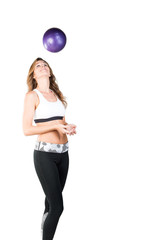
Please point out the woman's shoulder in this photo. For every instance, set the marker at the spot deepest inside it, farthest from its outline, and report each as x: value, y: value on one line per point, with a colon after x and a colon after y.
x: 31, y: 95
x: 31, y: 99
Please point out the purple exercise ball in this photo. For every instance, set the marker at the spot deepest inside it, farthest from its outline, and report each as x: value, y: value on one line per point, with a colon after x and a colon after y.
x: 54, y: 40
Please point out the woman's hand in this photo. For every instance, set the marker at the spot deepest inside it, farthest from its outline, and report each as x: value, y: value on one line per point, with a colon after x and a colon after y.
x: 62, y: 129
x: 66, y: 129
x: 71, y: 128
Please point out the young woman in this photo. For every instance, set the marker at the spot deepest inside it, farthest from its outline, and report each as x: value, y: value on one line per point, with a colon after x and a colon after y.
x: 45, y: 104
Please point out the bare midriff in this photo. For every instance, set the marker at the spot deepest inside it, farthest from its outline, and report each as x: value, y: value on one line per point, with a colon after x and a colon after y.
x: 53, y: 136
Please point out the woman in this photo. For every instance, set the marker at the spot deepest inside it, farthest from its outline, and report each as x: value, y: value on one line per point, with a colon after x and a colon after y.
x: 45, y: 104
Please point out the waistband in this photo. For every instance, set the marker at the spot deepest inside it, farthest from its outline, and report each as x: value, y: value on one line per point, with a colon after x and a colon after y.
x: 51, y: 147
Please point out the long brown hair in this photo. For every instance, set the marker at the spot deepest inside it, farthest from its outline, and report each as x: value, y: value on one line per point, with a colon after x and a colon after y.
x: 32, y: 84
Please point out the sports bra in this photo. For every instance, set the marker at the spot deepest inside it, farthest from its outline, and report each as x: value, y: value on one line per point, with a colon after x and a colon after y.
x: 48, y: 111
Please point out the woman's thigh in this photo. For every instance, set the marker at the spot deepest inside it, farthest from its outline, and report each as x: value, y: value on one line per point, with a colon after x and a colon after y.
x: 63, y: 167
x: 48, y: 174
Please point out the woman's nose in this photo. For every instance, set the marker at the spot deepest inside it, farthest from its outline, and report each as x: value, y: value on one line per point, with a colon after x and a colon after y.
x: 42, y: 67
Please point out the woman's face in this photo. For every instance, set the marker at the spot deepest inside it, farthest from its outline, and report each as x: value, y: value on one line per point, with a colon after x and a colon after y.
x: 41, y: 69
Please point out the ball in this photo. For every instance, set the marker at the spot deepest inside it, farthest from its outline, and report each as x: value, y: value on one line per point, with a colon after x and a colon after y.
x: 54, y: 40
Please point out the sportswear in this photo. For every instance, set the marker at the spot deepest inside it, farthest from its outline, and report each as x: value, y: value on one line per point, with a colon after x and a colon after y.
x: 52, y: 170
x: 48, y: 111
x: 51, y: 147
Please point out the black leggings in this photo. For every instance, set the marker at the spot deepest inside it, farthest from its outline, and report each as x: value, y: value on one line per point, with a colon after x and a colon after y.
x: 52, y: 169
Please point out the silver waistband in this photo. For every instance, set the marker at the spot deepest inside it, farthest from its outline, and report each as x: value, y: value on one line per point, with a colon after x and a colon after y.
x: 51, y: 147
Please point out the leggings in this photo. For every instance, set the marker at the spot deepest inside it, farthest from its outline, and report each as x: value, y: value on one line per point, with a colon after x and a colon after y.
x: 51, y: 168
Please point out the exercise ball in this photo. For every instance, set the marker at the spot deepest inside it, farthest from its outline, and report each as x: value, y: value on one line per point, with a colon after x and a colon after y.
x: 54, y: 40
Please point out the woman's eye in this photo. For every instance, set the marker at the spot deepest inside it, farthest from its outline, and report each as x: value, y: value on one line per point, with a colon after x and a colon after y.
x: 41, y: 65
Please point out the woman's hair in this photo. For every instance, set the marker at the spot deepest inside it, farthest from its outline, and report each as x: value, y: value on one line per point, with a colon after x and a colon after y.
x: 32, y: 84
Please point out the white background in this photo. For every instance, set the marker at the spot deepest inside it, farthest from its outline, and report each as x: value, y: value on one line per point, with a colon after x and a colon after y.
x: 109, y: 72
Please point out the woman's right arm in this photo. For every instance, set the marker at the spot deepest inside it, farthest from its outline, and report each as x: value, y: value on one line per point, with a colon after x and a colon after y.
x: 28, y: 114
